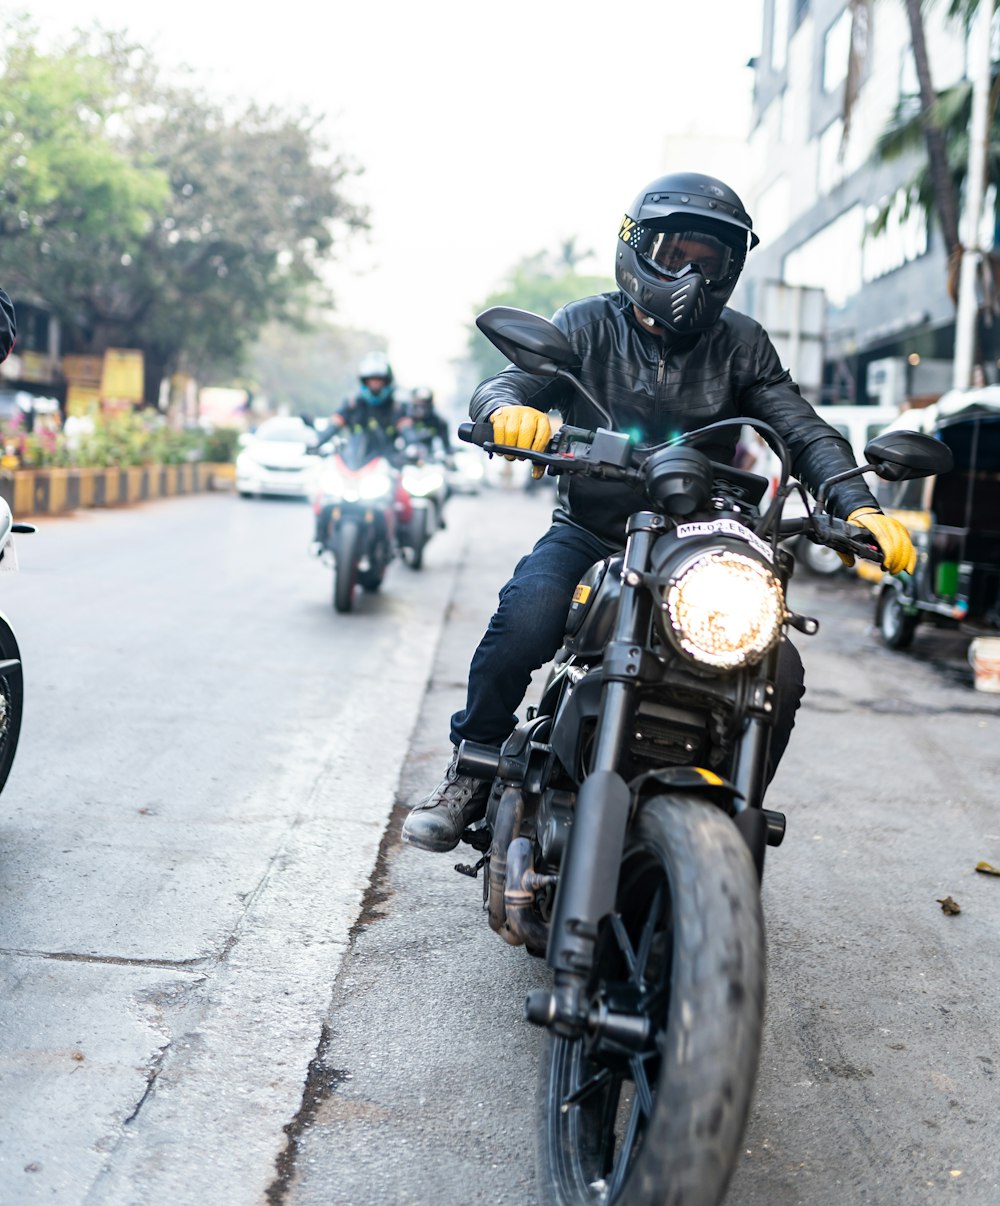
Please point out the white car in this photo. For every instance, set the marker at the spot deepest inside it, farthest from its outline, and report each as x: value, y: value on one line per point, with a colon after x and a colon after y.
x: 276, y: 459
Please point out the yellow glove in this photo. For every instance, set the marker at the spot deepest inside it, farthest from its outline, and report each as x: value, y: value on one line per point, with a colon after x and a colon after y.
x: 892, y: 538
x: 522, y: 427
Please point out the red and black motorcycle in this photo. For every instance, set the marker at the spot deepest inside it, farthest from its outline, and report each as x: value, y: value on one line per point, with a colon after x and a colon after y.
x: 366, y: 515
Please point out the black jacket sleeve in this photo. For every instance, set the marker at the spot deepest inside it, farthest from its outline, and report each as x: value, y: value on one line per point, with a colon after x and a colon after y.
x: 8, y: 325
x: 817, y: 450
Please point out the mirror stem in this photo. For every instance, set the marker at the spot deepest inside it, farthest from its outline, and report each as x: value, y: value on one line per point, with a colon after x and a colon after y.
x: 578, y: 385
x: 824, y: 490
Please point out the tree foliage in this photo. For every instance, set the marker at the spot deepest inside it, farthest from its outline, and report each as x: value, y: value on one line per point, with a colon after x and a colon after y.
x: 144, y: 215
x: 904, y: 135
x: 541, y: 283
x: 311, y: 371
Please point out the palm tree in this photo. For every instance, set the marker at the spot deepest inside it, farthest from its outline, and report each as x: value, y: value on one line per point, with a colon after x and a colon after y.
x: 939, y: 121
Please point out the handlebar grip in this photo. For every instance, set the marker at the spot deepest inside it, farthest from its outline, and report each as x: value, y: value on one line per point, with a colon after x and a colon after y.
x: 845, y: 537
x: 476, y: 433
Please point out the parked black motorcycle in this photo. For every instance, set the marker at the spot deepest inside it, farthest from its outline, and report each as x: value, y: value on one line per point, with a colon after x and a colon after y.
x: 625, y: 835
x: 11, y: 679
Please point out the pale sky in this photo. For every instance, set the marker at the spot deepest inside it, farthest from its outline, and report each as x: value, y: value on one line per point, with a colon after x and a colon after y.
x: 488, y: 131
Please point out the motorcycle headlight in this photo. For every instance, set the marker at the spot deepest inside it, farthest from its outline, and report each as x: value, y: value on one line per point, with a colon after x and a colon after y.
x: 725, y: 610
x: 375, y: 485
x: 422, y: 482
x: 333, y: 486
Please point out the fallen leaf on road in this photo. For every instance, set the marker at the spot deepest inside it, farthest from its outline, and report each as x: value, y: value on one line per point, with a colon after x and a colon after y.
x: 949, y: 906
x: 987, y: 868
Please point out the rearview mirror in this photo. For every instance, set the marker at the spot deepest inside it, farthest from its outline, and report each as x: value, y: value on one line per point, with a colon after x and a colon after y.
x: 897, y: 456
x: 531, y: 342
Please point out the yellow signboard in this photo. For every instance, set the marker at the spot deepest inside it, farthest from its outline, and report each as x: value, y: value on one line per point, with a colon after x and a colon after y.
x: 121, y: 375
x: 82, y: 399
x: 86, y: 370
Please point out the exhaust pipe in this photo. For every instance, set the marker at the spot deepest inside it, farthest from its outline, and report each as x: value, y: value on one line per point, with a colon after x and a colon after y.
x: 524, y: 926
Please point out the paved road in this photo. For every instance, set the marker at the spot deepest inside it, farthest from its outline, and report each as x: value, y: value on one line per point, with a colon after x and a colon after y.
x: 208, y: 762
x: 224, y: 981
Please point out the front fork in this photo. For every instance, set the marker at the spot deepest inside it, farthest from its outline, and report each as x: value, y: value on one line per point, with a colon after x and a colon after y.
x: 588, y: 883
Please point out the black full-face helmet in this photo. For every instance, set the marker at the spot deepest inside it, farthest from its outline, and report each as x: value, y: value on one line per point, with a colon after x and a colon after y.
x: 681, y: 249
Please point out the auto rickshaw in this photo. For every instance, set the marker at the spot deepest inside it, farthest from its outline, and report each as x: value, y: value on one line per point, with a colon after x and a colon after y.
x: 954, y: 522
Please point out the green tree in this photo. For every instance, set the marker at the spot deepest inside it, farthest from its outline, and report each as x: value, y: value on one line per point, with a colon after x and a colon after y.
x: 178, y: 227
x: 308, y: 371
x: 541, y: 283
x: 939, y: 123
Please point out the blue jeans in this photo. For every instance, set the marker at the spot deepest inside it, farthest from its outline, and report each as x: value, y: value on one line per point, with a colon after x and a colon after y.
x: 526, y: 631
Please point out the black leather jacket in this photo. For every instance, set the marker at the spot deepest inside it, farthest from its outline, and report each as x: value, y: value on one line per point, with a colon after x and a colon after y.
x: 379, y: 423
x: 658, y: 389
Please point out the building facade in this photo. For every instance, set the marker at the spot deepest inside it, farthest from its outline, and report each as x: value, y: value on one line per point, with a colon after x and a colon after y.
x: 830, y: 77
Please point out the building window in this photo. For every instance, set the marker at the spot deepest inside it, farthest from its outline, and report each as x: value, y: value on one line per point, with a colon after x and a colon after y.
x: 902, y: 239
x: 831, y: 258
x: 779, y: 34
x: 830, y: 171
x: 836, y: 49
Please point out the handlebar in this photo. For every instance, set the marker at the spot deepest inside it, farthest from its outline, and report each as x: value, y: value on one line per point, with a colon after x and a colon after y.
x: 836, y: 534
x: 832, y: 533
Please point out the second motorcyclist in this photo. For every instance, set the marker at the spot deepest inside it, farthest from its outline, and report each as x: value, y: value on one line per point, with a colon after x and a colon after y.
x: 374, y: 413
x: 665, y: 355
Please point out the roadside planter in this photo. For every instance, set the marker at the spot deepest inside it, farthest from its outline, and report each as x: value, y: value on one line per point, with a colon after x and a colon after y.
x: 56, y: 490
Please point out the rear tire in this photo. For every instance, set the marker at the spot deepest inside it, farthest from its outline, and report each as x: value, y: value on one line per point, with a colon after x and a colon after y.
x: 663, y: 1123
x: 346, y: 553
x: 11, y: 699
x: 895, y: 625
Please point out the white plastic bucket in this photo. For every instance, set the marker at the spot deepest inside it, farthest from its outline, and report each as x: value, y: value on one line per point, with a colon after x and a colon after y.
x: 984, y: 658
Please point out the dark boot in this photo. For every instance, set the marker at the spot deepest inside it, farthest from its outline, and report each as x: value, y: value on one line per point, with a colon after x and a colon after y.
x: 437, y: 821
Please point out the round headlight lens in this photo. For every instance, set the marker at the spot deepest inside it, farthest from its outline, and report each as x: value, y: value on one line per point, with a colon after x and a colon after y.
x: 725, y: 610
x: 375, y: 485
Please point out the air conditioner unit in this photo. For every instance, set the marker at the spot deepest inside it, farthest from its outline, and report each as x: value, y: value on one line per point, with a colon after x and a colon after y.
x: 885, y: 381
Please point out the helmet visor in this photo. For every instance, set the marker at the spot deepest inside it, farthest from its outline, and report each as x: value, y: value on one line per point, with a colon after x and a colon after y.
x: 676, y: 253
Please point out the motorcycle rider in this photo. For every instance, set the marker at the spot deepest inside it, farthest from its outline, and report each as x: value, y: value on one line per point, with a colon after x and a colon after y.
x: 372, y: 412
x: 665, y: 355
x: 428, y: 425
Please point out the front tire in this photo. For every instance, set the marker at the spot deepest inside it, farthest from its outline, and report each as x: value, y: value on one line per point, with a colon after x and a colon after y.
x: 346, y: 554
x: 418, y: 537
x: 664, y: 1122
x: 11, y: 698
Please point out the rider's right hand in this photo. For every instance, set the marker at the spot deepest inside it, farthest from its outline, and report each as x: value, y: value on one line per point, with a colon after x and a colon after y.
x: 522, y: 427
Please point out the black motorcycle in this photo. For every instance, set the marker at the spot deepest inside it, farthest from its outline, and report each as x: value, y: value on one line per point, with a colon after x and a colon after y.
x: 11, y: 678
x: 625, y: 835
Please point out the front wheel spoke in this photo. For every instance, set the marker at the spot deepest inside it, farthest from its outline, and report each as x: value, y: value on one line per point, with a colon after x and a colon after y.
x: 588, y: 1088
x: 648, y: 934
x: 611, y: 1101
x: 625, y: 943
x: 624, y: 1160
x: 643, y: 1090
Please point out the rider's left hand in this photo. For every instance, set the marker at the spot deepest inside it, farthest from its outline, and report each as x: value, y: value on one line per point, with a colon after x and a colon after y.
x: 891, y: 536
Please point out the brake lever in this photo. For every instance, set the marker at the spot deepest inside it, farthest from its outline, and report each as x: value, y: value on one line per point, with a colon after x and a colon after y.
x: 842, y: 537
